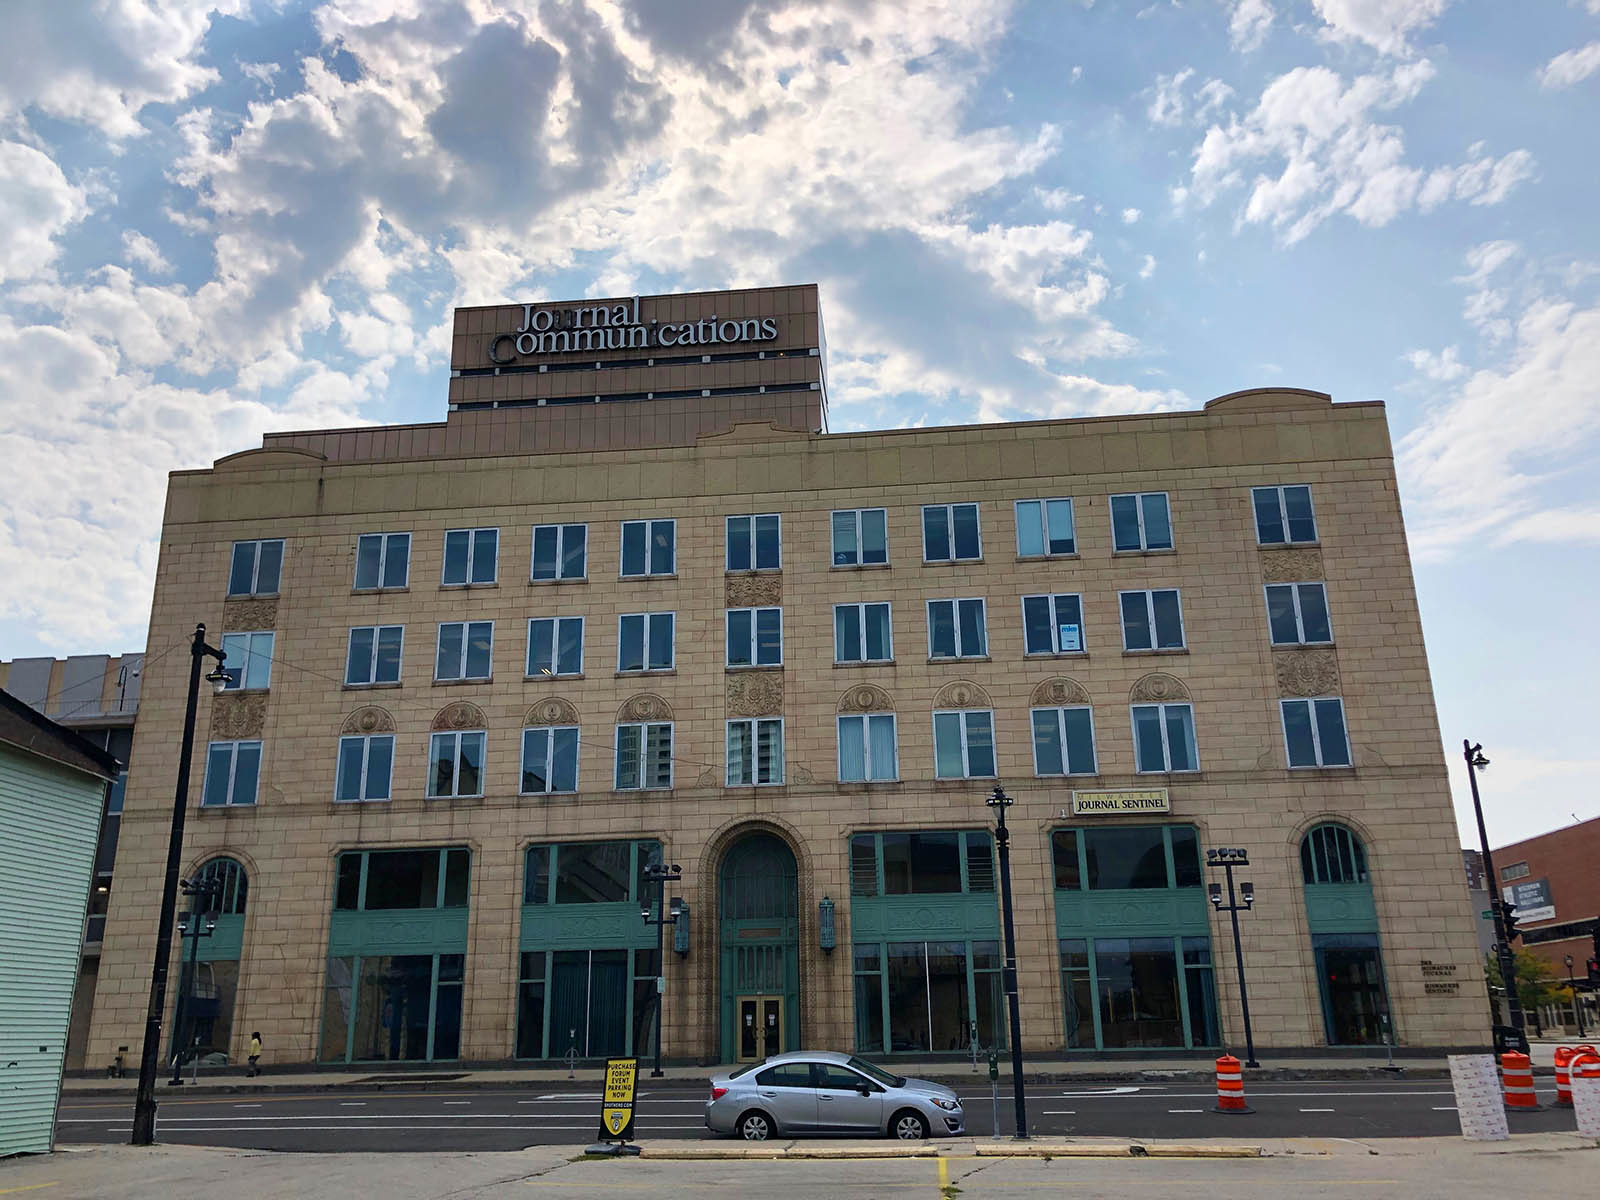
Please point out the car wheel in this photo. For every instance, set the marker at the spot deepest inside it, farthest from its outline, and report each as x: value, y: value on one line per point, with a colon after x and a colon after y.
x: 908, y: 1126
x: 755, y: 1127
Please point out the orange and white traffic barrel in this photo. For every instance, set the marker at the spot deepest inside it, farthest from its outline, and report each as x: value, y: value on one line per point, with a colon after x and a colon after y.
x: 1230, y: 1086
x: 1516, y: 1078
x: 1564, y: 1056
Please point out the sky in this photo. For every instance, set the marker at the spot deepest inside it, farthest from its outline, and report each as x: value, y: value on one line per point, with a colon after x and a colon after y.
x: 221, y: 220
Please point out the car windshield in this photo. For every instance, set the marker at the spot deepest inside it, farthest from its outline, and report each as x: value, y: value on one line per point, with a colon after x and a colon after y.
x: 878, y: 1074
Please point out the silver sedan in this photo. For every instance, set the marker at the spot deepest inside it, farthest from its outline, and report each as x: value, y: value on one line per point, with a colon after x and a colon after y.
x: 818, y: 1091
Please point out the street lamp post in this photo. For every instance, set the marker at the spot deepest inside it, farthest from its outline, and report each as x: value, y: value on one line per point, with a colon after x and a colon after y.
x: 199, y: 922
x: 1473, y: 753
x: 1577, y: 1000
x: 661, y: 874
x: 999, y: 801
x: 1228, y: 859
x: 144, y: 1104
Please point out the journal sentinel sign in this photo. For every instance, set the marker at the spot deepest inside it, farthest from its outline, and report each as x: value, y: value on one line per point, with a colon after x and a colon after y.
x: 596, y: 327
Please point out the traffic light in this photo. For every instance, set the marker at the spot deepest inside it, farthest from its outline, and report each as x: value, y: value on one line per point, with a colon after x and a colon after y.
x: 1594, y: 972
x: 1508, y: 916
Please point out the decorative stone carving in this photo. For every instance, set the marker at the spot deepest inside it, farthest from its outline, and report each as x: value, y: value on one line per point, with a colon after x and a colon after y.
x: 963, y: 693
x: 866, y: 697
x: 710, y: 777
x: 796, y: 774
x: 1059, y: 691
x: 1307, y: 672
x: 755, y: 694
x: 459, y: 715
x: 1157, y: 688
x: 1291, y: 566
x: 644, y: 707
x: 754, y: 591
x: 238, y: 716
x: 371, y: 719
x: 552, y: 710
x: 249, y: 614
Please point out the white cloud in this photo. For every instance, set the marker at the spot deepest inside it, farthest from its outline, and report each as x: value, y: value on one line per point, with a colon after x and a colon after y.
x: 1147, y: 268
x: 142, y: 252
x: 1166, y: 98
x: 1249, y: 22
x: 1558, y: 526
x: 1331, y: 155
x: 1444, y: 367
x: 36, y: 204
x: 1130, y: 216
x: 1571, y: 67
x: 1385, y: 25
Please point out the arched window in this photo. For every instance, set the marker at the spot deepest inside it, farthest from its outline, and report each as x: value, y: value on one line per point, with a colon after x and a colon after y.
x: 235, y: 885
x: 1332, y: 854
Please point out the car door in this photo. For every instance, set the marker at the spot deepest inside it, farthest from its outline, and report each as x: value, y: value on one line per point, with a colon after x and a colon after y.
x: 785, y: 1091
x: 840, y: 1102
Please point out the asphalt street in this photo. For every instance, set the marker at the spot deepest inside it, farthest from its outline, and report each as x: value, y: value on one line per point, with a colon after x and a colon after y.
x: 482, y: 1120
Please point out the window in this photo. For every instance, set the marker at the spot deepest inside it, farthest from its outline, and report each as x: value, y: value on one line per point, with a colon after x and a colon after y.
x: 555, y: 646
x: 1314, y: 732
x: 644, y: 756
x: 1297, y: 614
x: 755, y: 752
x: 957, y: 629
x: 1514, y: 871
x: 1141, y: 522
x: 1052, y: 624
x: 917, y: 997
x: 862, y: 633
x: 466, y: 650
x: 1332, y: 854
x: 455, y: 764
x: 578, y: 1003
x: 754, y: 543
x: 385, y: 880
x: 1283, y: 515
x: 649, y: 548
x: 374, y: 654
x: 235, y: 894
x: 365, y: 766
x: 1163, y: 738
x: 860, y: 537
x: 232, y: 770
x: 255, y: 568
x: 927, y: 862
x: 549, y: 760
x: 867, y: 749
x: 788, y: 1075
x: 559, y: 552
x: 383, y: 560
x: 471, y: 556
x: 1104, y: 858
x: 1045, y: 527
x: 1152, y: 620
x: 589, y: 873
x: 963, y: 744
x: 950, y: 533
x: 1063, y: 741
x: 755, y: 637
x: 644, y: 642
x: 247, y: 661
x: 1142, y: 992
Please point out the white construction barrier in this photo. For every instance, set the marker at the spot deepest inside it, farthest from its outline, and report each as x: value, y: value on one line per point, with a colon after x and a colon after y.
x: 1586, y: 1104
x: 1479, y: 1102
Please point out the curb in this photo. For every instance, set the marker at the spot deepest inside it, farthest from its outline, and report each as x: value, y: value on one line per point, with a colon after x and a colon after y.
x: 1032, y: 1149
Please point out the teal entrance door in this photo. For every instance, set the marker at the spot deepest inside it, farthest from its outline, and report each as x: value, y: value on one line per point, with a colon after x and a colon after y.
x: 759, y: 891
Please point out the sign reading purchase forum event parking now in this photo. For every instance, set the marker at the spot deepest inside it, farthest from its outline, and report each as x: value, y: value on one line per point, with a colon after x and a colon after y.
x: 618, y: 327
x: 1110, y: 804
x: 616, y: 1106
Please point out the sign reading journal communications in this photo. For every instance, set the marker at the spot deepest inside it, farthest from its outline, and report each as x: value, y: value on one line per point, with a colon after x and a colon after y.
x: 618, y: 327
x: 1104, y: 804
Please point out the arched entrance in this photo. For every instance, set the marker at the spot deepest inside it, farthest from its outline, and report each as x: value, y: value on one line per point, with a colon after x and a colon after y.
x: 759, y: 895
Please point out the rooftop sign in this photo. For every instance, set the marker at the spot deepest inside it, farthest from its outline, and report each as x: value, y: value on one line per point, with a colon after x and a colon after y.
x: 596, y: 327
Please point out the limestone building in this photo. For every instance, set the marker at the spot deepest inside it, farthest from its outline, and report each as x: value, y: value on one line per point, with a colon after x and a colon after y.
x: 632, y: 598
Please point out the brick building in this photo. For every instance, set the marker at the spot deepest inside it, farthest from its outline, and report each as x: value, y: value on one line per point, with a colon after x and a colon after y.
x: 632, y: 597
x: 1554, y: 880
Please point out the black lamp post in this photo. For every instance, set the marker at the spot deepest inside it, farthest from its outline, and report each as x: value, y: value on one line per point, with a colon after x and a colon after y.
x: 999, y: 801
x: 1473, y: 753
x: 1577, y: 1000
x: 661, y: 874
x: 199, y: 922
x: 1228, y: 859
x: 144, y: 1104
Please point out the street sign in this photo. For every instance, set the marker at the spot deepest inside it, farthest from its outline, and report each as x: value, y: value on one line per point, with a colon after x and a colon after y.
x: 616, y: 1106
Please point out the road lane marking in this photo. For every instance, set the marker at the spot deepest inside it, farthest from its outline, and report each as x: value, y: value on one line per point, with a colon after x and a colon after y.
x: 944, y: 1174
x: 247, y: 1106
x: 1185, y: 1110
x: 29, y: 1187
x: 1316, y: 1110
x: 352, y: 1104
x: 1060, y: 1112
x: 1444, y: 1108
x: 458, y: 1101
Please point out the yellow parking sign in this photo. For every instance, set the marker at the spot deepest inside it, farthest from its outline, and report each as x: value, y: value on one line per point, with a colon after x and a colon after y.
x: 616, y: 1106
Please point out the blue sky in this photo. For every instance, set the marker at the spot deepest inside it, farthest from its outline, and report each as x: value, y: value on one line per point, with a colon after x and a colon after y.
x: 216, y: 221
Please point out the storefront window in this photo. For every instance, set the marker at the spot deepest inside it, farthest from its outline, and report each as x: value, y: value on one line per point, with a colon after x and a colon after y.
x: 936, y: 991
x: 1138, y: 992
x: 373, y: 881
x: 393, y: 1008
x: 1126, y: 858
x: 927, y: 862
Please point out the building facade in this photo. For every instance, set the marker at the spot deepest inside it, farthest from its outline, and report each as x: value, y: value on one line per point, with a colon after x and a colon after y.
x: 632, y: 600
x: 97, y: 697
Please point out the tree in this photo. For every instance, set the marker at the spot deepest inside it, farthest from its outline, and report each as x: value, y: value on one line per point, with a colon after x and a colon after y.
x: 1536, y: 982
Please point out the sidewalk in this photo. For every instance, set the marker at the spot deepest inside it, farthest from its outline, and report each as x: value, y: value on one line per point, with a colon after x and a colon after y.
x: 441, y: 1077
